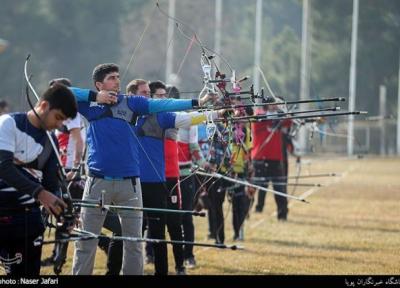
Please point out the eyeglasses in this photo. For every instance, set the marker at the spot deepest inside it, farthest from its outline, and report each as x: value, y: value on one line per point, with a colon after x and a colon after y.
x: 160, y: 95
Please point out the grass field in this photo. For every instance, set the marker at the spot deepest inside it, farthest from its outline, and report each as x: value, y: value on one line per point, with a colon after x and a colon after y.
x: 351, y: 226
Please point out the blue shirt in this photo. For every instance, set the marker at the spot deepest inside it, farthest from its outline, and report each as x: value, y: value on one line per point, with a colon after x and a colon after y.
x: 151, y: 149
x: 202, y: 134
x: 112, y: 143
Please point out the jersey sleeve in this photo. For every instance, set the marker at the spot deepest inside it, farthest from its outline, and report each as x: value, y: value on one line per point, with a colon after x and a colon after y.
x: 143, y: 106
x: 166, y: 120
x: 185, y: 120
x: 14, y: 178
x: 83, y: 95
x: 73, y: 123
x: 7, y: 132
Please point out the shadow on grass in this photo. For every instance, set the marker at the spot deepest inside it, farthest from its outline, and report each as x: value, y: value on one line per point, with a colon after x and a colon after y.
x: 302, y: 245
x: 291, y: 255
x: 225, y: 270
x: 373, y: 220
x: 346, y: 226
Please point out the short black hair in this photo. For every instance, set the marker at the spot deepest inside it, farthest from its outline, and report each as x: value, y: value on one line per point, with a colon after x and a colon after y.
x: 3, y: 104
x: 101, y: 71
x: 156, y: 85
x: 173, y: 92
x: 64, y: 81
x: 60, y: 97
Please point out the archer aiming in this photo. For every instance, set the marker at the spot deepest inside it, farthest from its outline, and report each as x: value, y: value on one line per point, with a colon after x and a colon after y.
x: 268, y: 157
x: 28, y: 178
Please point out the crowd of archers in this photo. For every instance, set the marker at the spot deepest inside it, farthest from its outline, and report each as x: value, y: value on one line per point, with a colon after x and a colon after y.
x: 130, y: 163
x: 138, y: 161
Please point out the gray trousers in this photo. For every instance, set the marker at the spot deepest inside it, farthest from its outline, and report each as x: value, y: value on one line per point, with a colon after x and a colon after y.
x: 119, y: 192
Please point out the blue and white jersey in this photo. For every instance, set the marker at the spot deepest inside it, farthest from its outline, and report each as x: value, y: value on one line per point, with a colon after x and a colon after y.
x: 28, y: 164
x: 27, y: 144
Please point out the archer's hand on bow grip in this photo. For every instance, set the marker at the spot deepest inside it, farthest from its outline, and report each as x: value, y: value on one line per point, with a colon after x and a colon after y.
x: 209, y: 97
x: 224, y: 113
x: 106, y: 97
x: 51, y: 203
x: 68, y: 219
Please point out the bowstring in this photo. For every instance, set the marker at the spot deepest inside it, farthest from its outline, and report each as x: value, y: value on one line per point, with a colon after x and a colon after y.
x: 139, y: 44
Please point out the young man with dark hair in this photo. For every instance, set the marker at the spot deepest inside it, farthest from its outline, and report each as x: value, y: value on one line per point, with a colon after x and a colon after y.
x: 71, y: 141
x: 113, y: 162
x: 158, y: 89
x: 28, y: 176
x: 157, y: 137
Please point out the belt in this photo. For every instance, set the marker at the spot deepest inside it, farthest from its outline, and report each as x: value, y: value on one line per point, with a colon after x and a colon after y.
x: 112, y: 178
x: 260, y: 161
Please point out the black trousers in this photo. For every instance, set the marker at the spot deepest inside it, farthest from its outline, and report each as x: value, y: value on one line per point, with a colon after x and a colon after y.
x: 174, y: 221
x: 188, y: 199
x: 216, y: 190
x: 21, y: 256
x: 240, y: 207
x: 21, y: 235
x: 272, y: 171
x: 155, y: 195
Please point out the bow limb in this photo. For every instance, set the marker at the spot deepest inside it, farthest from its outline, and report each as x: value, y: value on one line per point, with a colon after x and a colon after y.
x: 68, y: 216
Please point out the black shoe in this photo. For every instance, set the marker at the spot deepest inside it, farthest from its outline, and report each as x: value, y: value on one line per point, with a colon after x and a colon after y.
x: 282, y: 214
x: 180, y: 271
x: 258, y: 210
x: 210, y: 236
x: 238, y: 237
x: 282, y: 218
x: 49, y: 261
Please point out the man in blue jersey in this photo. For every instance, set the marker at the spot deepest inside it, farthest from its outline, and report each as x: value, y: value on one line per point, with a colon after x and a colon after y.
x: 152, y: 131
x: 113, y: 163
x: 28, y: 177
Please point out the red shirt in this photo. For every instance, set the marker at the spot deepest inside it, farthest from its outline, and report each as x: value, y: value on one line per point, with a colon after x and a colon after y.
x: 171, y: 158
x: 267, y: 141
x: 184, y: 152
x: 63, y: 139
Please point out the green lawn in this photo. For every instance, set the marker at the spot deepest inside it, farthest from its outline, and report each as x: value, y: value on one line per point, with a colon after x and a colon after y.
x: 351, y: 226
